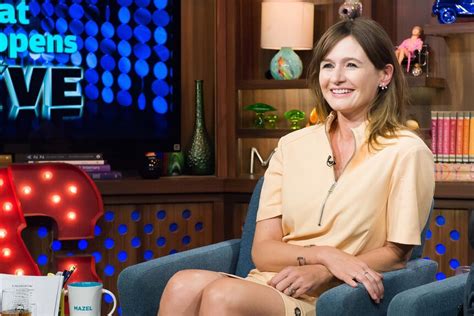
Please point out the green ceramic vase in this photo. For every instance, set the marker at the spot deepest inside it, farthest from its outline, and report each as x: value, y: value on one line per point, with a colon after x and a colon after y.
x: 199, y: 154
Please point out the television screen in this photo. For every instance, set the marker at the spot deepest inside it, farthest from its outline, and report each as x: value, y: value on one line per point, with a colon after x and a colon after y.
x: 90, y: 76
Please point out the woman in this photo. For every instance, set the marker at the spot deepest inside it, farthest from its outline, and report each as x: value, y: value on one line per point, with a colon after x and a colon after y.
x: 342, y: 201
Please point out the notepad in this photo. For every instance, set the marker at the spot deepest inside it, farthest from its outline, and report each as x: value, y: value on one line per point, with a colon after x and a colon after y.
x: 43, y: 293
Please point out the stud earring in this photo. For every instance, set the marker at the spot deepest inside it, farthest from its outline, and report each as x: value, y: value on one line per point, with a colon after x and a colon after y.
x: 383, y: 87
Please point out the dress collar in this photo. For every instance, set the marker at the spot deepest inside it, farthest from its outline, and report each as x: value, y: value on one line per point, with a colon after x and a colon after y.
x: 360, y: 132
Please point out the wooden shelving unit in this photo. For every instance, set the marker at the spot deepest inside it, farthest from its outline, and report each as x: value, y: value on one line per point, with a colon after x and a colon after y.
x: 447, y: 30
x: 424, y: 81
x: 272, y: 84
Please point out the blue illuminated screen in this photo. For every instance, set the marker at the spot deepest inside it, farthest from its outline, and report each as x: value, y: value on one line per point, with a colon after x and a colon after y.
x: 89, y: 75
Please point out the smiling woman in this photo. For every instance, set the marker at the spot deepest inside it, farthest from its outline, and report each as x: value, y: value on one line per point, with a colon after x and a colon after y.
x: 342, y: 201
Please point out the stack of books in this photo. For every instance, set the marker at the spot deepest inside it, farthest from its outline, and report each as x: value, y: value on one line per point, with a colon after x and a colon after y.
x: 92, y: 163
x: 452, y: 136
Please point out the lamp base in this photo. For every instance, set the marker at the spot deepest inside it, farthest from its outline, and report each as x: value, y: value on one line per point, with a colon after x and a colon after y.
x: 286, y: 65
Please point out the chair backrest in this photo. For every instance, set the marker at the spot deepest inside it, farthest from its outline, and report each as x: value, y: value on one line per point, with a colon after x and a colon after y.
x: 245, y: 263
x: 418, y: 250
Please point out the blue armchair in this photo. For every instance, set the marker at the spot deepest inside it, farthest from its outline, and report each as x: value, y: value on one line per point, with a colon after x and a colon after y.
x: 140, y: 286
x: 444, y: 297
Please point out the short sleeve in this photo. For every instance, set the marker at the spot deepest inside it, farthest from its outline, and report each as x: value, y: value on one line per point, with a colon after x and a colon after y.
x: 270, y: 198
x: 410, y: 196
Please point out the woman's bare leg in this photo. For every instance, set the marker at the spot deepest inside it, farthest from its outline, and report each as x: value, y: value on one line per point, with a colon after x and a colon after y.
x: 229, y: 296
x: 182, y: 294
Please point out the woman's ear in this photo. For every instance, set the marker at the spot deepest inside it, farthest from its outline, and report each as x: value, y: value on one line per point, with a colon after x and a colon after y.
x: 387, y: 73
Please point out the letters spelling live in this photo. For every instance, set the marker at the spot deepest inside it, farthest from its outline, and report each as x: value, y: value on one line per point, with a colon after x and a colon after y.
x: 59, y: 84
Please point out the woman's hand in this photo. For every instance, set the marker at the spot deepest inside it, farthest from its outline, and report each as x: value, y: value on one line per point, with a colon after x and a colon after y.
x: 298, y: 280
x: 350, y: 269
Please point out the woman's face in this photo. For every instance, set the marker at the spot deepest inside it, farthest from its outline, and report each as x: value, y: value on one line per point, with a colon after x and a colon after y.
x: 348, y: 79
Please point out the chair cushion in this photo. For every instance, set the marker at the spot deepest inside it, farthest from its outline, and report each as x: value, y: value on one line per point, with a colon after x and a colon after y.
x: 244, y: 263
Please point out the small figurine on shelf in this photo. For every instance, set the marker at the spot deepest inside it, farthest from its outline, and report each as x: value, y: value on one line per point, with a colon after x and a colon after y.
x: 259, y: 109
x: 271, y: 120
x: 294, y: 117
x: 408, y: 47
x: 313, y: 118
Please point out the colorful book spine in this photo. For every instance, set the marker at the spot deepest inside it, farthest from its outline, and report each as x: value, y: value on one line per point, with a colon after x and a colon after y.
x: 465, y: 140
x: 107, y: 175
x: 452, y: 137
x: 95, y: 168
x: 446, y: 136
x: 459, y: 136
x: 434, y: 135
x: 471, y: 137
x: 72, y: 162
x: 58, y: 156
x: 440, y: 142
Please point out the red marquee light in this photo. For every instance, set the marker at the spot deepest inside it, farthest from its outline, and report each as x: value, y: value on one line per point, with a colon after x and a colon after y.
x: 71, y: 215
x: 26, y: 190
x: 7, y: 206
x: 55, y: 198
x: 6, y: 252
x: 47, y: 175
x: 24, y: 193
x: 72, y: 189
x: 19, y: 271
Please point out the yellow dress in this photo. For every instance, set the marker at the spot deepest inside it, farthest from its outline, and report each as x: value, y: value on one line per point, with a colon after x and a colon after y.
x: 382, y: 195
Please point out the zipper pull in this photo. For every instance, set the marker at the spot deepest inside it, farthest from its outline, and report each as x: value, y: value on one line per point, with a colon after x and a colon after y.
x: 325, y: 200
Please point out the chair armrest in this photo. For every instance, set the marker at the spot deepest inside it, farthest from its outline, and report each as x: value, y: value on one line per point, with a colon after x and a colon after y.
x: 345, y: 300
x: 140, y: 286
x: 436, y: 298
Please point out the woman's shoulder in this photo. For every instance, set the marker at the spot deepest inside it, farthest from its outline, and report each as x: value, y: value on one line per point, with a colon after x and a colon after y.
x: 410, y: 141
x: 304, y: 134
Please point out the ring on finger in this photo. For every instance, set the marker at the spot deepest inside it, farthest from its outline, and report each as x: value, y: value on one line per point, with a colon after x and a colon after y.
x: 292, y: 291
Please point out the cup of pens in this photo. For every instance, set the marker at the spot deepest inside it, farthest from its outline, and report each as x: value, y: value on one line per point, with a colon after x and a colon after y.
x: 85, y: 298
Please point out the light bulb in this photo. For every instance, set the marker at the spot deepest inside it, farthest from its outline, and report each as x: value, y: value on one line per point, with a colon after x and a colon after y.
x: 71, y: 215
x: 26, y: 190
x: 19, y: 272
x: 47, y: 175
x: 3, y: 233
x: 56, y: 198
x: 72, y: 189
x: 6, y: 252
x: 7, y: 206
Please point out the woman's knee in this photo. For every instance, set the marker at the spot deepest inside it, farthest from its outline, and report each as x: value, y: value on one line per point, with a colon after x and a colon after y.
x: 222, y: 294
x: 180, y: 282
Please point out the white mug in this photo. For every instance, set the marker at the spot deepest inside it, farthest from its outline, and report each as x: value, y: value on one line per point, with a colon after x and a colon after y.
x: 85, y: 298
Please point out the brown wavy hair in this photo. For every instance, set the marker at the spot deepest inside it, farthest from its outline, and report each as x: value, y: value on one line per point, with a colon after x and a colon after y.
x: 386, y: 113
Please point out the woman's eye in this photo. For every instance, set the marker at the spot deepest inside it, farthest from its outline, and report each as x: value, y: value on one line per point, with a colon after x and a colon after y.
x: 326, y: 66
x: 351, y: 65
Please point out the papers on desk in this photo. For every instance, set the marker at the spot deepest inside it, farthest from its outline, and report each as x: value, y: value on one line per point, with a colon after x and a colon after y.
x: 40, y: 293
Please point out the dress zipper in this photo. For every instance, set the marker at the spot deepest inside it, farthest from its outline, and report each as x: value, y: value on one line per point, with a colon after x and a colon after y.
x: 333, y: 186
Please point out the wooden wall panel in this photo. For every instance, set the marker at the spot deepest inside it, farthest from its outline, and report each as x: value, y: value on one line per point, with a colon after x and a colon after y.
x: 198, y: 61
x: 440, y: 246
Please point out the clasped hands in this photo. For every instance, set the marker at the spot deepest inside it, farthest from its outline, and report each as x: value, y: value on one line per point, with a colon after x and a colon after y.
x: 298, y: 280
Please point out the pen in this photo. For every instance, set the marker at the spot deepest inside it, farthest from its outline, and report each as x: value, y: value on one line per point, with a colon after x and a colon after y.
x: 67, y: 274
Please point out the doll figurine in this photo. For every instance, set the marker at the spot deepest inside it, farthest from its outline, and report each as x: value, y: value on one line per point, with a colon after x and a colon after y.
x: 408, y: 47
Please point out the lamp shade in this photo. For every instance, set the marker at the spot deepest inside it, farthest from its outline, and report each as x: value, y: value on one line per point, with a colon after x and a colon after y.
x: 287, y: 23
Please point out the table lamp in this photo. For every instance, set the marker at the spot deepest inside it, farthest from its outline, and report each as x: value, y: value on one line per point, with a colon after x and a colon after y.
x: 287, y: 25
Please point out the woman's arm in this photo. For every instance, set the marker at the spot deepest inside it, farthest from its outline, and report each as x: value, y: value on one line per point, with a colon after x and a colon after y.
x: 269, y: 252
